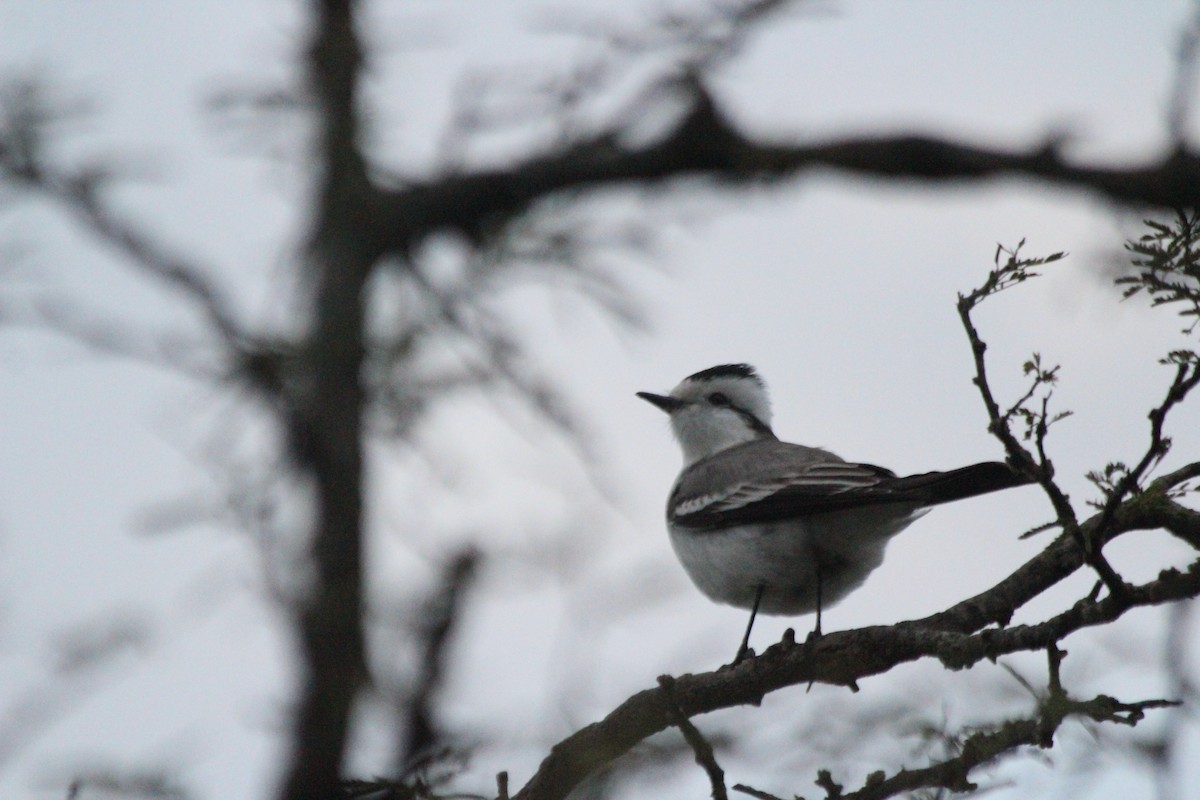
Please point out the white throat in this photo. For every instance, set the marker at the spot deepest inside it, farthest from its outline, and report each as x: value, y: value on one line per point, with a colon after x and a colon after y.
x: 705, y: 431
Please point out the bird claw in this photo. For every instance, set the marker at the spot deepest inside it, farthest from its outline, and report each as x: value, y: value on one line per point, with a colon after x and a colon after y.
x: 743, y: 653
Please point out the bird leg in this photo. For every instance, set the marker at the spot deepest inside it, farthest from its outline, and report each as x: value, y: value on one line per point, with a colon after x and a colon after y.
x: 816, y: 632
x: 745, y: 648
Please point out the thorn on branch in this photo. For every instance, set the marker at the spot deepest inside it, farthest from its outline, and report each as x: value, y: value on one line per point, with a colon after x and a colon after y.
x: 1035, y: 530
x: 755, y: 793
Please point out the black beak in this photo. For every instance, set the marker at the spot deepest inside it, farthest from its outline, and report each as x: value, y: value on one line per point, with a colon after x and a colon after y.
x: 667, y: 404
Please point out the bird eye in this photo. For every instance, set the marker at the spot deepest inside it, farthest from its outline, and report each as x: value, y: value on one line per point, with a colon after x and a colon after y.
x: 718, y: 399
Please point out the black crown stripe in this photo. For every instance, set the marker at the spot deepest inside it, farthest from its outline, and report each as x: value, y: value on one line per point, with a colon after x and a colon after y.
x: 726, y: 371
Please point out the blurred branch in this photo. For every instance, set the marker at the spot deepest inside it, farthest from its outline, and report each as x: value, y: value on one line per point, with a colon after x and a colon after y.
x: 324, y: 419
x: 86, y: 657
x: 1180, y: 100
x: 706, y: 35
x: 442, y: 612
x: 674, y: 45
x: 172, y: 351
x: 135, y: 785
x: 706, y: 144
x: 501, y: 354
x: 758, y: 794
x: 25, y: 114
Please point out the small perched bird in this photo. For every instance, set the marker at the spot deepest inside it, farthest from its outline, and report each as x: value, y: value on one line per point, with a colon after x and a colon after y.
x: 777, y: 527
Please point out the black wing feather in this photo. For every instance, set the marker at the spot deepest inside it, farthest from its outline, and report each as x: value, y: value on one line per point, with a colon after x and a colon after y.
x: 816, y: 482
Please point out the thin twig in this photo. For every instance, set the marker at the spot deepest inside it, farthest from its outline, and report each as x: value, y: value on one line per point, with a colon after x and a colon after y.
x: 700, y: 746
x: 1187, y: 377
x: 1040, y: 468
x: 442, y: 612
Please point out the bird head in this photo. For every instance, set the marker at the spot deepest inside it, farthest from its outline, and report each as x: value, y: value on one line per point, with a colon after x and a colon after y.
x: 716, y: 409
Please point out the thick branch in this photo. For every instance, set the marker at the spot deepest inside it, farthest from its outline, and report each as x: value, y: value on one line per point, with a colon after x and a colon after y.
x: 1181, y: 521
x: 954, y: 637
x: 325, y: 424
x: 706, y: 144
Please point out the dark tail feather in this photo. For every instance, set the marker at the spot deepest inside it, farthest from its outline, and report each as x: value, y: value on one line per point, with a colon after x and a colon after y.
x: 957, y: 484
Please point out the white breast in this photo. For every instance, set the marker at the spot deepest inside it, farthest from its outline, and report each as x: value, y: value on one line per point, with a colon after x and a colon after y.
x: 728, y: 565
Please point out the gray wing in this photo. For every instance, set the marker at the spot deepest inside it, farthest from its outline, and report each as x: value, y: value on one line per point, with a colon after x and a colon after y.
x: 769, y: 480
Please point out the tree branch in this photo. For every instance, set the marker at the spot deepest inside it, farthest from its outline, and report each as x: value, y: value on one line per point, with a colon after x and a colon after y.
x: 700, y: 746
x: 79, y: 192
x: 1187, y: 377
x: 707, y: 144
x: 953, y: 636
x: 441, y: 614
x: 985, y: 746
x: 1014, y: 271
x: 326, y: 410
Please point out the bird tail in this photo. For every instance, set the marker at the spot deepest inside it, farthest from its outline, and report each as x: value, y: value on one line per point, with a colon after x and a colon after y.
x: 957, y: 484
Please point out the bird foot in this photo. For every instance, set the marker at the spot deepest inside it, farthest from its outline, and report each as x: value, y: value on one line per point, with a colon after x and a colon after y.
x: 743, y: 652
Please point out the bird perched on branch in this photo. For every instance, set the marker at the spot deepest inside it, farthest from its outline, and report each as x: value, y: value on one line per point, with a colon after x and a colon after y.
x: 778, y: 527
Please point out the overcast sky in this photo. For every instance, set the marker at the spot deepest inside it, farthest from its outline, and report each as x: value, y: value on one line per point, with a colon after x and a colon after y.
x: 840, y: 291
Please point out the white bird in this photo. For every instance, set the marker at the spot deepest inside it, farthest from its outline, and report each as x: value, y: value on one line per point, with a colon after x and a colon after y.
x: 777, y: 527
